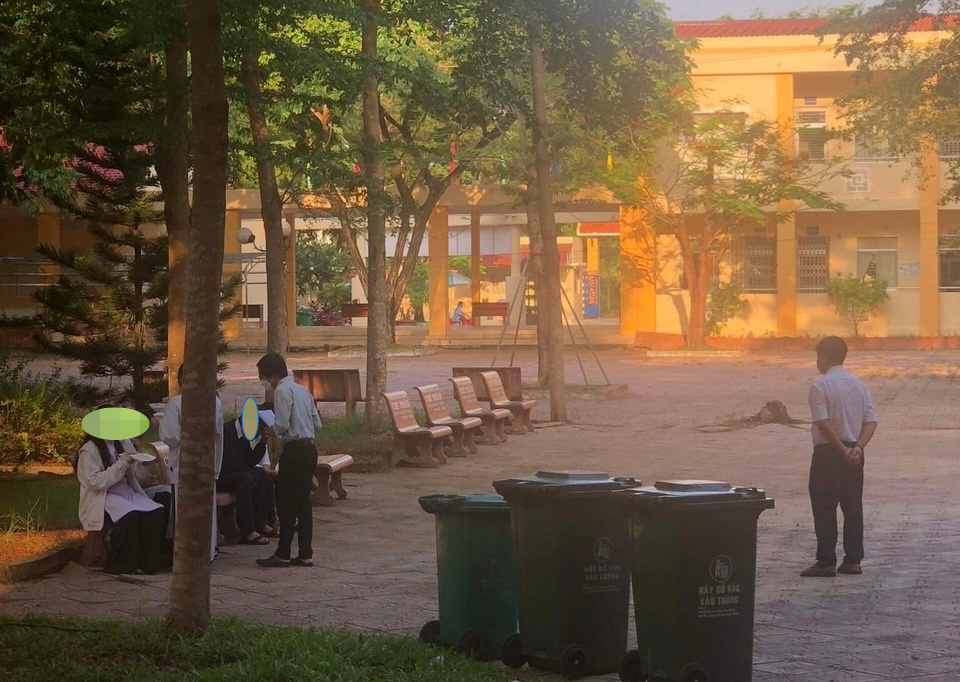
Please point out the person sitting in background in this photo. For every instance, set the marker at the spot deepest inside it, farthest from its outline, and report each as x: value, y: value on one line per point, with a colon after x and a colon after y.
x: 112, y: 500
x: 459, y: 317
x: 243, y: 474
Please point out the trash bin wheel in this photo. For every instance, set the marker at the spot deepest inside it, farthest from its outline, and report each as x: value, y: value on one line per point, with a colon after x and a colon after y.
x: 430, y: 633
x: 573, y: 662
x: 471, y: 643
x: 631, y: 668
x: 512, y: 652
x: 694, y: 672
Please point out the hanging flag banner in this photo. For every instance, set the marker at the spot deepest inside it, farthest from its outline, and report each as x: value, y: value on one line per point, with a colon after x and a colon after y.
x: 591, y: 295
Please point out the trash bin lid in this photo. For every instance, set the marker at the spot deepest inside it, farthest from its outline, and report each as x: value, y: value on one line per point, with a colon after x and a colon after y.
x: 455, y: 504
x: 694, y: 492
x: 562, y: 483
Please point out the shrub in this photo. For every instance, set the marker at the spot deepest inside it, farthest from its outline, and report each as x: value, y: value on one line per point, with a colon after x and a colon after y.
x: 856, y: 298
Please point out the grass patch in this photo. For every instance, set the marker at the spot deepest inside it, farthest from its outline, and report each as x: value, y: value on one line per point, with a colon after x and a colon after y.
x: 41, y: 649
x: 42, y: 502
x: 350, y: 435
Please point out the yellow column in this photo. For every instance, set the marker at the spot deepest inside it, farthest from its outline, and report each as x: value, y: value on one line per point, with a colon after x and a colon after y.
x: 593, y: 254
x: 291, y: 279
x: 231, y: 266
x: 438, y: 264
x: 929, y: 241
x: 787, y: 229
x: 638, y: 262
x: 475, y: 256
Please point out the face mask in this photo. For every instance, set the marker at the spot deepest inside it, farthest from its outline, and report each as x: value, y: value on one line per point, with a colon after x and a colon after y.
x: 267, y: 386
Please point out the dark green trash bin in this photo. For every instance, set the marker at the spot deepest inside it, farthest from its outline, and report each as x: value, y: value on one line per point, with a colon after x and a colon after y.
x: 304, y: 316
x: 693, y: 561
x: 476, y: 574
x: 574, y: 580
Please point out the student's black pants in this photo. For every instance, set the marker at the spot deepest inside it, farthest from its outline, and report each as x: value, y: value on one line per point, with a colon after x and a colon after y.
x: 135, y: 542
x: 833, y: 482
x: 298, y: 461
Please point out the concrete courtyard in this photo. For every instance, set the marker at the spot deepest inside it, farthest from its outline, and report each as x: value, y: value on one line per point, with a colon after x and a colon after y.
x: 900, y: 620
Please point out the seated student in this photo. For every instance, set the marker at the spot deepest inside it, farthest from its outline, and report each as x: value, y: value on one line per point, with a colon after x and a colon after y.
x: 242, y: 474
x: 459, y: 317
x: 112, y: 499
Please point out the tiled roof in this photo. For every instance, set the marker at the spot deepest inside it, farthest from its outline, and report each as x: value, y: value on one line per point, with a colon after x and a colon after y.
x: 765, y: 27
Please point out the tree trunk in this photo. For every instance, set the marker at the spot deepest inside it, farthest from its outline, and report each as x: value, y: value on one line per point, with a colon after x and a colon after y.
x: 271, y: 205
x: 535, y: 272
x: 173, y: 170
x: 699, y: 285
x: 549, y: 297
x: 190, y: 590
x: 378, y: 322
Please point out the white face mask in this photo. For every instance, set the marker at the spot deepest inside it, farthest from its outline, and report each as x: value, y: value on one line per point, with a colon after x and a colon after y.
x: 267, y: 386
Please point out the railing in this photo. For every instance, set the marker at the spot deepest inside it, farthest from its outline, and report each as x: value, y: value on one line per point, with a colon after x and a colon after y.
x: 25, y: 275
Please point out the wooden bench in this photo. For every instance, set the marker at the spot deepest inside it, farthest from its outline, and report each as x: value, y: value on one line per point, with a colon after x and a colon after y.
x: 329, y: 476
x: 414, y: 444
x: 510, y: 377
x: 498, y: 399
x: 437, y: 415
x: 494, y: 420
x: 352, y: 310
x: 486, y: 309
x: 332, y: 386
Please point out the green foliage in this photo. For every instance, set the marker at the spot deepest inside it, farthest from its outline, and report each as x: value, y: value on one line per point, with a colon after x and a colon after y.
x: 34, y: 503
x: 856, y: 298
x: 908, y: 94
x: 40, y: 415
x: 323, y: 270
x: 726, y: 302
x: 350, y: 434
x: 77, y: 649
x: 418, y: 291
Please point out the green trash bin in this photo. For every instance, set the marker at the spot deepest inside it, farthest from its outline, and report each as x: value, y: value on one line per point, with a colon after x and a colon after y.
x: 476, y: 574
x: 574, y: 581
x: 693, y: 561
x: 304, y: 317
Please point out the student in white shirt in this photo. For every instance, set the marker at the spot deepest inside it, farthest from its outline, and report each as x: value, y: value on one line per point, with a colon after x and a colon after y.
x: 844, y: 420
x: 170, y: 434
x: 112, y: 499
x: 296, y: 424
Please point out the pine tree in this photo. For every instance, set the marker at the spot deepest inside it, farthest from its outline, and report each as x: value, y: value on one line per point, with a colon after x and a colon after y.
x: 109, y: 306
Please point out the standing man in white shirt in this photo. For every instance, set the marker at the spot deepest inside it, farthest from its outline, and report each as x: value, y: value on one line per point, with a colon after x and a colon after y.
x: 844, y: 420
x: 296, y: 425
x: 170, y: 435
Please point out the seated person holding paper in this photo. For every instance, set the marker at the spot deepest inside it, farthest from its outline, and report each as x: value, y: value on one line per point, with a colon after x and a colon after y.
x: 243, y: 475
x: 112, y: 500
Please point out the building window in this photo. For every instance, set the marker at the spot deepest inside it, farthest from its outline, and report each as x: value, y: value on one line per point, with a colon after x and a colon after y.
x: 872, y: 149
x: 949, y: 149
x: 811, y: 134
x: 813, y: 264
x: 950, y: 263
x: 883, y: 252
x: 755, y: 264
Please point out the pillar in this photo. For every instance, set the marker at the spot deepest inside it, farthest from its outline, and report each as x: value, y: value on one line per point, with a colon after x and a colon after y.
x: 475, y: 260
x: 290, y: 283
x: 786, y: 229
x: 438, y: 265
x: 638, y: 263
x: 929, y: 240
x: 232, y: 250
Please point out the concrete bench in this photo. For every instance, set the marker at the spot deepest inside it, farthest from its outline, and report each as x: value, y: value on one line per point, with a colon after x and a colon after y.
x: 414, y: 444
x: 351, y: 310
x: 498, y: 399
x: 486, y: 309
x: 329, y: 476
x: 332, y: 386
x: 494, y: 420
x: 437, y: 415
x: 510, y: 377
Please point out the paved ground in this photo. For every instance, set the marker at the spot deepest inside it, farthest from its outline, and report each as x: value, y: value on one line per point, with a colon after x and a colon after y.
x: 899, y: 621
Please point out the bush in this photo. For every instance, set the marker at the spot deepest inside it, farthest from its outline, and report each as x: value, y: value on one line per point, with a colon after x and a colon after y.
x: 856, y: 298
x: 726, y: 302
x: 40, y: 415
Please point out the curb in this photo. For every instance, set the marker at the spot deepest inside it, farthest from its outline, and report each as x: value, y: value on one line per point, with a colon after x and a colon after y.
x: 42, y: 565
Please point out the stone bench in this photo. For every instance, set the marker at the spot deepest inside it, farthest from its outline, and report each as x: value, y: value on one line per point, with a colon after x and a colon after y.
x: 520, y: 409
x: 414, y: 444
x: 332, y: 386
x: 437, y: 415
x: 494, y: 420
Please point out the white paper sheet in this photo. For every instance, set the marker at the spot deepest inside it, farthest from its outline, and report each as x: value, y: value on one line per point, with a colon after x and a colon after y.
x: 268, y: 417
